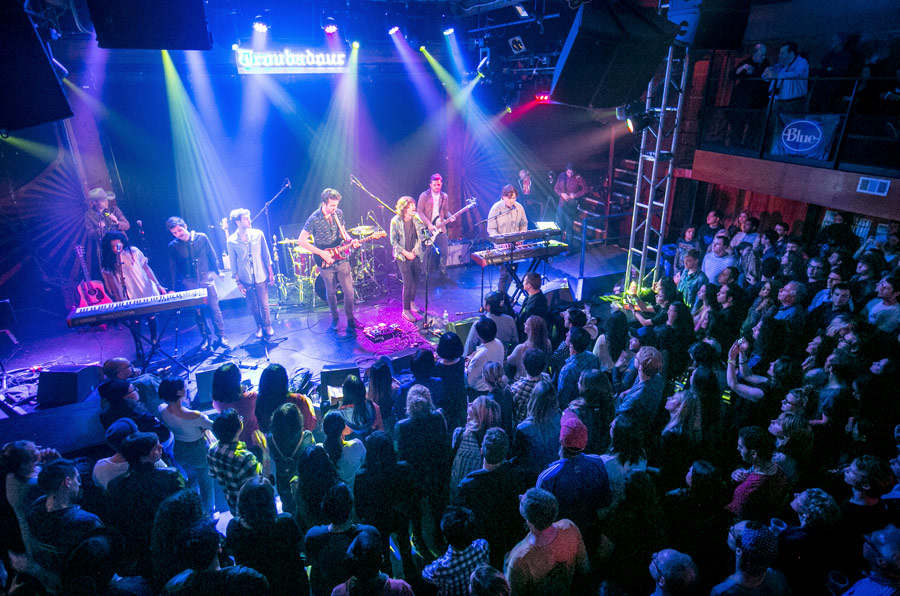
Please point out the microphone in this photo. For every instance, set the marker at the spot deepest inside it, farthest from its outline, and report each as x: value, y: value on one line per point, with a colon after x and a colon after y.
x: 192, y: 236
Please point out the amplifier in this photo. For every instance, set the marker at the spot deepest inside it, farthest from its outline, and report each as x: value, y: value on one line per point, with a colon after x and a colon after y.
x: 458, y: 253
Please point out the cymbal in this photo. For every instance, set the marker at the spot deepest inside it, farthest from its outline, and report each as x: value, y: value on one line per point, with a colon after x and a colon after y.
x: 299, y: 250
x: 288, y: 241
x: 362, y: 230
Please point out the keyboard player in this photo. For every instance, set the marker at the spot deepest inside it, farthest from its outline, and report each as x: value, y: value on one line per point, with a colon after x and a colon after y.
x: 506, y: 217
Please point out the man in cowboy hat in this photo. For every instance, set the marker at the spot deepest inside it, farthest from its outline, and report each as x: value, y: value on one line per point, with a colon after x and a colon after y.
x: 100, y: 217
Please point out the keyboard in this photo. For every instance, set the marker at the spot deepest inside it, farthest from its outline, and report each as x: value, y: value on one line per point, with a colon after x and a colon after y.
x: 525, y: 236
x: 138, y: 307
x: 538, y: 250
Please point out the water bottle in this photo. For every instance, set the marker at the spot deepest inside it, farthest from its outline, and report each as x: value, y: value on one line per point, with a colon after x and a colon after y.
x: 446, y: 319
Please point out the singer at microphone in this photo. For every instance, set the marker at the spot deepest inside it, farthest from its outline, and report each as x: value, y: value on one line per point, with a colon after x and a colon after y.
x: 506, y: 217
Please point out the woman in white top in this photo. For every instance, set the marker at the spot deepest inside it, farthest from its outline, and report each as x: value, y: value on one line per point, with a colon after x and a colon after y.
x: 189, y: 427
x: 347, y: 456
x: 626, y: 453
x: 127, y: 275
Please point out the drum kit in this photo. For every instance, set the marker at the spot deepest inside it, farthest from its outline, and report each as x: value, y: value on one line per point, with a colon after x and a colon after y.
x: 309, y: 284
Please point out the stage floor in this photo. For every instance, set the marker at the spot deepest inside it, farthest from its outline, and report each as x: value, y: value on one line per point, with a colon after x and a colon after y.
x: 303, y: 338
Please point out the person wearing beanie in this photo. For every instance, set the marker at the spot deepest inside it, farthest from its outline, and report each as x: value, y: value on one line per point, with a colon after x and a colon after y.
x: 112, y: 467
x: 578, y: 480
x: 553, y: 555
x: 755, y: 548
x: 120, y: 399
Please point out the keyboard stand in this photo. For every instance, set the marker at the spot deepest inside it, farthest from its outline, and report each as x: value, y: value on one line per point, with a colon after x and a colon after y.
x: 154, y: 348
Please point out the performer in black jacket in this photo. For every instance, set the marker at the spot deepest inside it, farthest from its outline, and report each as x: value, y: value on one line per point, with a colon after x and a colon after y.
x: 192, y: 265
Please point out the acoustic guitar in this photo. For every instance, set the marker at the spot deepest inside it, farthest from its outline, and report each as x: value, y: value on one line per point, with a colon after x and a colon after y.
x: 341, y: 252
x: 90, y: 292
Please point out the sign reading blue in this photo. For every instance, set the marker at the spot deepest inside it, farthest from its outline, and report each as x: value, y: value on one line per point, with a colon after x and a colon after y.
x: 808, y: 136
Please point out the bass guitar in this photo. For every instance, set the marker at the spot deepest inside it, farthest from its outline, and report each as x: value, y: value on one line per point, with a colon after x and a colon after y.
x: 90, y: 292
x: 440, y: 225
x: 342, y: 251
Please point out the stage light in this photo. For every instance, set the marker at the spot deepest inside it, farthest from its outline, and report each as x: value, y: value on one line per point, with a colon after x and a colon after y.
x: 393, y: 30
x: 523, y: 14
x: 422, y: 49
x: 235, y: 47
x: 448, y: 31
x: 516, y: 44
x: 355, y: 45
x: 484, y: 62
x: 638, y: 122
x: 331, y: 29
x: 329, y: 25
x: 542, y: 98
x: 508, y: 110
x: 260, y: 24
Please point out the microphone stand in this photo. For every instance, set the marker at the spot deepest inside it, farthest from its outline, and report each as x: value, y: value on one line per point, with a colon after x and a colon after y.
x: 284, y: 186
x: 382, y: 205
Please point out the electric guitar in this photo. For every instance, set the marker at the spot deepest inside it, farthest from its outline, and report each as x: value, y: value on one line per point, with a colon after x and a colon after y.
x: 90, y: 292
x: 440, y: 225
x: 340, y: 252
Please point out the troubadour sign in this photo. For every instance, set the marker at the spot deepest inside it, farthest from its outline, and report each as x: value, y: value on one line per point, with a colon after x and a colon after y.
x: 288, y: 61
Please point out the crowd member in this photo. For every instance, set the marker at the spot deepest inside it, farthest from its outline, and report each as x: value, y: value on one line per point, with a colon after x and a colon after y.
x: 506, y: 325
x: 707, y: 232
x: 686, y: 243
x: 536, y: 337
x: 361, y: 416
x: 108, y: 468
x: 316, y: 475
x: 642, y: 403
x: 326, y: 544
x: 571, y: 317
x: 535, y: 363
x: 691, y: 277
x: 346, y: 456
x: 451, y: 369
x: 189, y: 428
x: 134, y: 498
x: 674, y: 573
x: 755, y: 548
x: 762, y: 487
x: 611, y: 347
x: 864, y: 512
x: 717, y: 259
x: 883, y: 312
x: 680, y: 442
x: 230, y: 463
x: 490, y: 350
x: 273, y: 392
x: 552, y: 557
x: 535, y: 302
x: 423, y: 442
x: 287, y: 441
x: 537, y: 437
x: 383, y: 388
x: 594, y: 407
x: 119, y: 399
x: 488, y: 581
x: 492, y: 494
x: 882, y: 554
x: 269, y: 542
x: 579, y: 360
x: 383, y: 494
x: 364, y: 560
x: 451, y: 572
x: 500, y: 393
x: 422, y: 367
x: 176, y: 513
x: 484, y: 413
x: 578, y: 481
x: 228, y: 392
x: 806, y: 551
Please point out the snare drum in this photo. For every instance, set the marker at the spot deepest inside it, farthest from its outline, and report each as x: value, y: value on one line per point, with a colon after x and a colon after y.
x: 303, y: 262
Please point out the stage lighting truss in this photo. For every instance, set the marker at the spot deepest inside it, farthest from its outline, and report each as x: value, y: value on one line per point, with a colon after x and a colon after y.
x: 516, y: 44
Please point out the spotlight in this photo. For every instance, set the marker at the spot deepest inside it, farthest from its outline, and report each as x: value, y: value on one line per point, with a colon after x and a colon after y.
x: 483, y: 63
x: 393, y: 30
x: 422, y: 49
x: 448, y: 31
x: 235, y: 47
x: 355, y: 45
x: 638, y: 122
x: 516, y: 44
x: 260, y: 24
x: 542, y: 98
x: 331, y: 29
x: 508, y: 110
x: 329, y: 25
x: 523, y: 14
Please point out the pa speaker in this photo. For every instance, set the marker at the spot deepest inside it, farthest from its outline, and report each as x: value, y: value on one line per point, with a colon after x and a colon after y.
x: 150, y: 25
x: 710, y: 24
x: 612, y: 51
x: 32, y: 94
x: 62, y: 385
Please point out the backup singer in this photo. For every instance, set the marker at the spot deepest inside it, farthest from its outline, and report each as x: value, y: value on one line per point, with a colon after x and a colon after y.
x: 408, y: 242
x: 127, y: 275
x: 434, y: 209
x: 193, y: 265
x: 100, y: 217
x: 570, y: 187
x: 326, y: 226
x: 251, y: 268
x: 506, y: 217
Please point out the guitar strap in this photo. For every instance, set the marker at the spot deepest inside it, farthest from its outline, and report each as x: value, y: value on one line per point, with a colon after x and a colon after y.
x: 340, y: 227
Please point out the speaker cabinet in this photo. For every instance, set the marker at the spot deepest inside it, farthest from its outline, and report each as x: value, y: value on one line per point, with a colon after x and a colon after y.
x: 203, y: 396
x: 711, y: 24
x: 333, y: 375
x: 154, y: 25
x: 32, y: 94
x: 63, y: 385
x: 612, y: 51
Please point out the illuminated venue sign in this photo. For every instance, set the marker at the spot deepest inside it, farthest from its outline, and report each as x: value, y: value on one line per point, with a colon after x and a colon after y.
x: 289, y: 61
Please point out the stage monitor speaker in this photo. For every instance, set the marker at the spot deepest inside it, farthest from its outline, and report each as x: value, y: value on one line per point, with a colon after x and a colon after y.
x: 67, y: 384
x: 32, y: 93
x: 401, y: 360
x: 462, y: 327
x: 612, y: 51
x: 150, y: 25
x: 333, y: 375
x: 203, y: 396
x: 459, y: 253
x: 711, y: 24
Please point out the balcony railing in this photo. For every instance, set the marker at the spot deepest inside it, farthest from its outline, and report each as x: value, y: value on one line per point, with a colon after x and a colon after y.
x: 842, y: 123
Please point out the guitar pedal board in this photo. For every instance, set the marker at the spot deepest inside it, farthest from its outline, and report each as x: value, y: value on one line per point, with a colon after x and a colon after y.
x: 382, y: 332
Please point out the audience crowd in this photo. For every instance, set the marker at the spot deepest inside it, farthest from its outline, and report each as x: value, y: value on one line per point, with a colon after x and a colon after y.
x: 737, y: 433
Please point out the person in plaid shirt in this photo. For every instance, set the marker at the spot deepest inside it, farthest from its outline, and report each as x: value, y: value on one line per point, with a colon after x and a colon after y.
x: 230, y: 463
x: 451, y: 572
x: 535, y: 361
x: 580, y: 360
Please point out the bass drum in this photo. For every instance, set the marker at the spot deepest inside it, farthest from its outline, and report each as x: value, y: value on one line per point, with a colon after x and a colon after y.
x: 320, y: 289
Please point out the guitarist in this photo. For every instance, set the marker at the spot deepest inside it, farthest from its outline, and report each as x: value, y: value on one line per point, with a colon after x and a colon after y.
x: 326, y: 226
x: 408, y: 242
x: 434, y: 209
x: 570, y: 187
